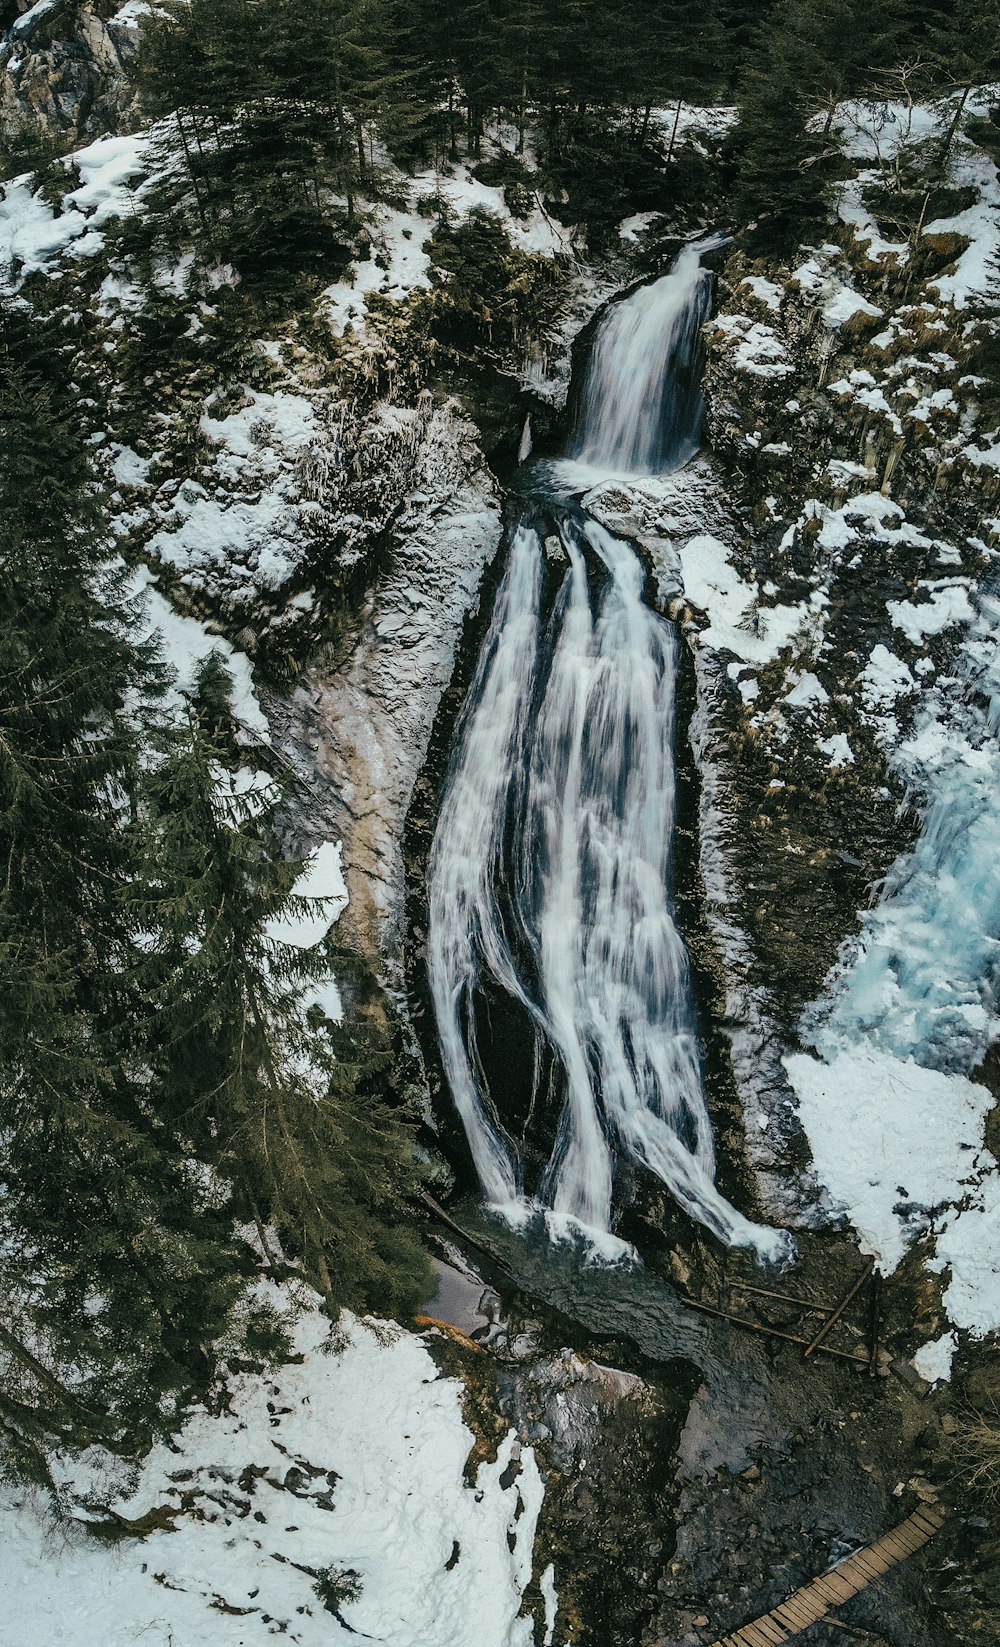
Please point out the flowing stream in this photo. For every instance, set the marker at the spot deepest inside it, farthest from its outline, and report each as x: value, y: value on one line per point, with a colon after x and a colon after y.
x: 550, y: 871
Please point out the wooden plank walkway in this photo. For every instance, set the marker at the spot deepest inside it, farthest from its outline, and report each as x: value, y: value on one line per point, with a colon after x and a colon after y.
x: 813, y: 1602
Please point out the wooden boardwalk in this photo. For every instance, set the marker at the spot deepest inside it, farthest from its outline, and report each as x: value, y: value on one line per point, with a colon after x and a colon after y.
x: 813, y: 1602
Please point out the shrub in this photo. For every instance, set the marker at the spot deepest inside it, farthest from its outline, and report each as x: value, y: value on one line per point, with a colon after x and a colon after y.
x: 975, y: 1451
x: 337, y: 1587
x: 486, y: 294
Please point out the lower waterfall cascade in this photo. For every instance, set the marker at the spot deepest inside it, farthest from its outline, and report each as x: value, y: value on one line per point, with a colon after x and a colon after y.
x: 550, y: 870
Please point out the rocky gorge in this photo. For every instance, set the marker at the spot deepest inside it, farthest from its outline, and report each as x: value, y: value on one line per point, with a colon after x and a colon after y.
x: 329, y: 494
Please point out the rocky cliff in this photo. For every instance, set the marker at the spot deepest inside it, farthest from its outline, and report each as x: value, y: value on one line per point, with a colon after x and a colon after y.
x: 66, y: 75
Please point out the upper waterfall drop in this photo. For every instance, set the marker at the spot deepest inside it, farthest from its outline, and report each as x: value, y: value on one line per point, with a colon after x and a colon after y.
x: 642, y: 404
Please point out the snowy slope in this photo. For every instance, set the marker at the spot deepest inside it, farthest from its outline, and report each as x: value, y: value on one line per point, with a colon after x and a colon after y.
x: 894, y: 1118
x: 349, y: 1461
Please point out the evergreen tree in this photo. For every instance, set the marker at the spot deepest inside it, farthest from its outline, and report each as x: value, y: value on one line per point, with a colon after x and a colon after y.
x: 289, y: 1109
x: 740, y: 22
x: 803, y: 62
x: 158, y: 1074
x: 525, y: 54
x: 422, y: 46
x: 964, y: 52
x: 277, y: 102
x: 430, y: 78
x: 675, y: 52
x: 116, y: 1263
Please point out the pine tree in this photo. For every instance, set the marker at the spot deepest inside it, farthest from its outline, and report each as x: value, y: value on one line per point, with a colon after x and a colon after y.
x: 675, y: 51
x: 740, y: 22
x: 523, y: 55
x: 276, y: 105
x: 117, y: 1265
x: 964, y: 52
x: 288, y: 1109
x: 422, y: 47
x: 803, y: 62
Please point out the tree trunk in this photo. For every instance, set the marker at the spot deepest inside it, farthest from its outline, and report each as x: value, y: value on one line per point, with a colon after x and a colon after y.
x: 673, y: 134
x: 452, y: 131
x: 189, y: 161
x: 47, y: 1379
x: 342, y: 144
x: 953, y: 128
x: 325, y: 1280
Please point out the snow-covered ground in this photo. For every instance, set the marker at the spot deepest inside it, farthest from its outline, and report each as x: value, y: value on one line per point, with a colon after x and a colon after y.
x: 115, y: 171
x: 399, y: 263
x: 291, y: 474
x: 236, y: 529
x: 894, y: 1120
x: 184, y: 643
x: 339, y: 1475
x: 912, y: 1008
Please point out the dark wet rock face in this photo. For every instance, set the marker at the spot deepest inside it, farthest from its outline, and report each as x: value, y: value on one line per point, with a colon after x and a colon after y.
x: 608, y: 1523
x: 844, y: 501
x: 695, y: 1473
x: 605, y: 1423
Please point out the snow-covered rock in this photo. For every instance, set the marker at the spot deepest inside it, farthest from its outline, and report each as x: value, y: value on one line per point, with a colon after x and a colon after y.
x: 322, y: 1502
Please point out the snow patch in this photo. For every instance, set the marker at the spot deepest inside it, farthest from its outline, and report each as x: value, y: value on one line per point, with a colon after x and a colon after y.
x: 808, y: 692
x: 946, y: 607
x: 756, y: 348
x: 184, y: 644
x: 891, y: 1141
x: 885, y: 678
x: 283, y: 421
x: 838, y: 749
x: 765, y: 291
x: 30, y: 232
x: 348, y: 1462
x: 322, y: 880
x: 738, y: 622
x: 844, y: 304
x: 933, y: 1361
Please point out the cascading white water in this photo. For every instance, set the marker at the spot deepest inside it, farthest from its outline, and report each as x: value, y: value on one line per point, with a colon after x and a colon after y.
x: 550, y: 868
x: 464, y: 936
x: 641, y: 407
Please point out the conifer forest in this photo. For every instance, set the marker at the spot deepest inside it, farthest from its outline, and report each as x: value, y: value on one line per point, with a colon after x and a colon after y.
x: 500, y: 823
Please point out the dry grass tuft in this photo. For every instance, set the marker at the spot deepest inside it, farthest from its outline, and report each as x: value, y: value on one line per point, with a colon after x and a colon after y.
x: 975, y: 1451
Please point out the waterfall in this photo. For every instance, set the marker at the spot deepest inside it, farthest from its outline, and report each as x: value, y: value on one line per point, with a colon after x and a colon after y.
x: 464, y: 933
x: 550, y: 874
x: 641, y: 407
